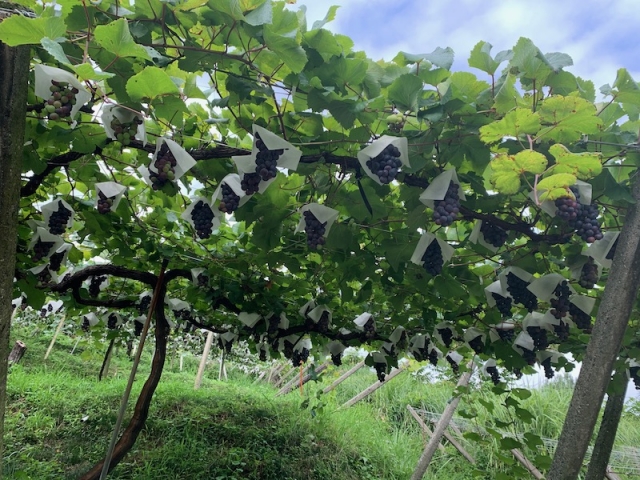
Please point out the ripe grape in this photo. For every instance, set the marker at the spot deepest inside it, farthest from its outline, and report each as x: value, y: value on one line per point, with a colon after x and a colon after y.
x: 336, y: 359
x: 137, y: 328
x: 44, y: 276
x: 202, y: 217
x: 104, y: 203
x: 262, y: 355
x: 561, y: 330
x: 477, y: 345
x: 183, y: 314
x: 446, y: 210
x: 299, y: 357
x: 432, y: 258
x: 250, y: 183
x: 505, y: 334
x: 386, y: 164
x: 225, y: 345
x: 433, y: 357
x: 517, y: 372
x: 323, y: 323
x: 266, y: 160
x: 230, y: 201
x: 454, y: 366
x: 548, y: 369
x: 560, y: 304
x: 381, y: 371
x: 582, y: 218
x: 529, y: 356
x: 519, y: 292
x: 612, y: 250
x: 447, y: 336
x: 63, y: 97
x: 422, y: 354
x: 164, y: 164
x: 495, y: 376
x: 94, y: 285
x: 85, y: 324
x: 580, y: 318
x: 203, y: 280
x: 41, y: 250
x: 272, y: 325
x: 314, y: 229
x: 634, y: 372
x: 589, y: 274
x: 58, y: 219
x: 55, y: 261
x: 145, y: 303
x: 125, y: 131
x: 503, y: 304
x: 539, y: 336
x: 112, y: 321
x: 369, y: 329
x: 493, y: 234
x: 287, y: 349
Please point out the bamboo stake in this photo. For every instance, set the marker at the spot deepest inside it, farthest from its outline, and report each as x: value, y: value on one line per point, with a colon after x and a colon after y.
x: 222, y: 369
x: 291, y: 385
x: 344, y: 376
x: 134, y: 369
x: 203, y: 360
x: 291, y: 378
x: 369, y: 390
x: 458, y: 447
x: 55, y: 336
x: 424, y: 426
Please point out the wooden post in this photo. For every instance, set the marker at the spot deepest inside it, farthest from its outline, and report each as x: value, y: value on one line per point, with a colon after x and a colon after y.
x: 610, y: 475
x: 344, y: 376
x: 438, y: 432
x: 369, y: 390
x: 55, y: 336
x: 203, y: 360
x: 287, y: 376
x: 458, y: 447
x: 425, y: 429
x: 222, y: 370
x: 75, y: 345
x: 17, y: 352
x: 307, y: 376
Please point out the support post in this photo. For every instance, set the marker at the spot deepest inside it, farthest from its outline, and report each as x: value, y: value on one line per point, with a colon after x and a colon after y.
x: 424, y: 426
x: 55, y: 336
x: 369, y: 390
x: 307, y: 376
x: 203, y: 360
x: 344, y: 376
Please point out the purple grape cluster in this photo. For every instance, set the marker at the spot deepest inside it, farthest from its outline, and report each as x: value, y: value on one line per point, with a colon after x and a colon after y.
x: 250, y: 183
x: 41, y: 250
x: 104, y: 203
x: 314, y: 229
x: 589, y: 274
x: 539, y: 335
x: 548, y: 369
x: 528, y: 356
x: 125, y: 131
x: 582, y: 218
x: 560, y: 304
x: 493, y: 234
x: 561, y: 330
x: 518, y: 290
x: 454, y: 366
x: 58, y: 219
x: 506, y: 334
x: 62, y: 100
x: 503, y: 303
x: 433, y: 357
x: 55, y: 261
x: 477, y: 345
x: 85, y: 324
x: 323, y: 323
x: 230, y: 201
x: 422, y: 354
x: 446, y: 210
x: 298, y: 357
x: 386, y: 164
x: 202, y: 217
x: 495, y: 375
x: 287, y: 349
x: 94, y: 285
x: 580, y: 318
x: 165, y: 164
x: 634, y: 372
x: 381, y: 371
x: 336, y: 359
x: 432, y: 258
x: 137, y: 328
x: 370, y: 329
x: 446, y: 334
x: 145, y: 303
x: 202, y: 280
x: 112, y: 321
x: 266, y: 160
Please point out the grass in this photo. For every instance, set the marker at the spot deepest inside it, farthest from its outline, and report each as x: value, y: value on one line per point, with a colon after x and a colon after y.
x: 60, y: 417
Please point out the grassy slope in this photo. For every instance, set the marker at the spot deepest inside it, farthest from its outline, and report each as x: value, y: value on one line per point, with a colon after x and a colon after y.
x: 235, y: 430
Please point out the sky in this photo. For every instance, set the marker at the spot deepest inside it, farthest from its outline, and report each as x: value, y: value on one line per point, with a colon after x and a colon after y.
x: 601, y: 36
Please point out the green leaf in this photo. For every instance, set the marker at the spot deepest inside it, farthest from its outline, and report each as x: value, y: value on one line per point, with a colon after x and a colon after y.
x: 480, y: 58
x: 287, y: 48
x: 405, y: 91
x: 558, y: 61
x: 324, y: 42
x: 529, y: 62
x: 508, y: 443
x: 506, y: 169
x: 85, y: 71
x: 441, y: 57
x: 116, y: 38
x: 521, y: 393
x: 628, y: 90
x: 568, y: 118
x: 331, y: 14
x: 531, y: 161
x: 583, y: 165
x: 55, y: 50
x: 515, y: 123
x: 20, y: 30
x: 150, y: 83
x: 344, y: 111
x: 507, y: 96
x: 230, y: 7
x: 261, y: 15
x: 557, y: 181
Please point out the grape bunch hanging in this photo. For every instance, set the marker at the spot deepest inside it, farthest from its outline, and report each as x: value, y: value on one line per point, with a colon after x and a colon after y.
x: 582, y: 218
x: 314, y: 229
x: 41, y: 250
x: 94, y: 285
x: 503, y: 303
x: 493, y: 234
x: 112, y: 321
x: 266, y: 163
x: 137, y: 328
x: 58, y: 219
x: 422, y: 354
x: 518, y: 290
x: 588, y: 274
x: 202, y: 217
x: 580, y: 318
x: 433, y: 357
x: 386, y: 164
x: 634, y: 373
x: 494, y: 374
x: 454, y: 365
x: 539, y: 335
x: 432, y: 258
x: 561, y: 330
x: 446, y: 334
x: 560, y: 304
x: 298, y: 357
x: 381, y: 370
x: 125, y: 131
x: 477, y: 345
x: 323, y: 323
x: 85, y: 325
x: 506, y: 334
x: 165, y: 164
x: 548, y: 369
x: 104, y: 203
x: 145, y: 303
x: 55, y: 261
x: 369, y: 329
x: 612, y: 251
x: 336, y: 358
x: 446, y: 210
x: 62, y: 100
x: 230, y: 201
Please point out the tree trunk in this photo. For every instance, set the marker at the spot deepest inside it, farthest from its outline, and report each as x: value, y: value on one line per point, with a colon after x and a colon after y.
x: 606, y: 435
x: 438, y: 432
x: 611, y: 321
x: 14, y: 71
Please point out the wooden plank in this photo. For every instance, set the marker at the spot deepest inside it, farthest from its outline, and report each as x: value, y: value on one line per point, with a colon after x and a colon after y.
x: 369, y: 390
x: 203, y: 360
x: 459, y: 447
x: 55, y: 336
x: 424, y: 426
x: 344, y: 376
x: 289, y: 387
x: 526, y: 463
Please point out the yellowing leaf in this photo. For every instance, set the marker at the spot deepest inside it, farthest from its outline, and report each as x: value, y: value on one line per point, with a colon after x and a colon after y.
x: 505, y: 175
x: 553, y: 194
x: 531, y: 161
x: 566, y: 119
x: 558, y: 180
x: 582, y: 165
x: 515, y: 123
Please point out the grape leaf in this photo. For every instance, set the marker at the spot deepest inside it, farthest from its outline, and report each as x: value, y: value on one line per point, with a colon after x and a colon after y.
x: 555, y: 186
x: 55, y: 50
x: 628, y: 90
x: 480, y: 58
x: 515, y: 123
x: 531, y: 161
x: 568, y: 118
x: 405, y: 91
x: 20, y: 30
x: 331, y: 14
x: 505, y: 176
x: 287, y: 48
x: 150, y: 83
x: 116, y: 38
x: 529, y: 62
x: 582, y: 165
x: 506, y: 96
